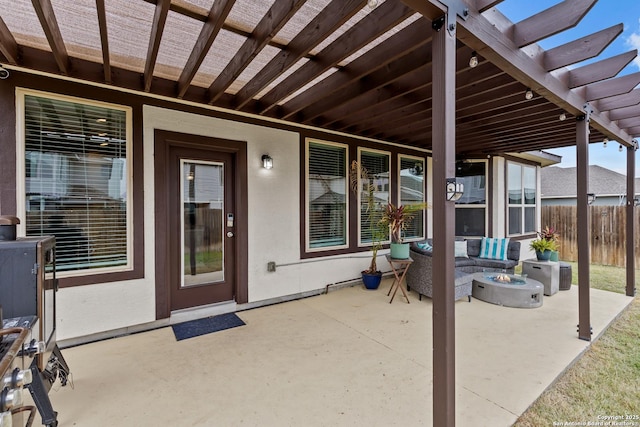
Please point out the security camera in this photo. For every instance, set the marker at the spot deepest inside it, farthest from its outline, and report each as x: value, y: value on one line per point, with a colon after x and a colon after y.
x: 4, y: 73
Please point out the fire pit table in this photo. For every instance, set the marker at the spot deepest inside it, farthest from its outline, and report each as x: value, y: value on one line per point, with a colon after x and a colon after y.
x: 507, y: 289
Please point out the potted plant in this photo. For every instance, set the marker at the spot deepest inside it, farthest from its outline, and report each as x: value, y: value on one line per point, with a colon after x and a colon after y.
x: 397, y: 218
x: 543, y: 248
x: 550, y: 233
x: 371, y: 277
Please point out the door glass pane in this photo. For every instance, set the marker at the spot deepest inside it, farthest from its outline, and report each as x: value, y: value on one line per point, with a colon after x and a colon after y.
x: 202, y: 193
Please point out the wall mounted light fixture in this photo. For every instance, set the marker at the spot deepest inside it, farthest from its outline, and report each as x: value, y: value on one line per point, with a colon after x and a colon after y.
x: 473, y: 61
x: 528, y: 94
x: 591, y: 197
x: 267, y: 161
x: 454, y: 189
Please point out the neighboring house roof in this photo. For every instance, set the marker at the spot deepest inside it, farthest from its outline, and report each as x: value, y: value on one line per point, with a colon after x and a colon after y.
x: 558, y: 182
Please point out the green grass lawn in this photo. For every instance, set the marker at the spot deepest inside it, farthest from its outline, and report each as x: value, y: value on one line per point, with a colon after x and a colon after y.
x: 605, y: 382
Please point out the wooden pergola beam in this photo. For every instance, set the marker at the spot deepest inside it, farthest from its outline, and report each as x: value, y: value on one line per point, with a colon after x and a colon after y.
x: 326, y: 22
x: 49, y: 24
x: 612, y: 87
x: 625, y: 113
x: 489, y: 39
x: 157, y: 28
x: 579, y: 50
x: 104, y: 39
x: 8, y: 45
x: 619, y: 101
x: 483, y: 5
x: 601, y: 70
x: 550, y: 21
x: 277, y: 16
x: 377, y: 22
x: 217, y: 15
x: 391, y: 49
x: 629, y: 123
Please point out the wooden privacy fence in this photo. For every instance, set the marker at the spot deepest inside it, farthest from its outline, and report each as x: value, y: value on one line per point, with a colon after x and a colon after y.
x: 608, y: 233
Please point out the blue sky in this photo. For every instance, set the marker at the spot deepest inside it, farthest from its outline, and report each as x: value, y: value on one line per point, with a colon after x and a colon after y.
x: 604, y: 14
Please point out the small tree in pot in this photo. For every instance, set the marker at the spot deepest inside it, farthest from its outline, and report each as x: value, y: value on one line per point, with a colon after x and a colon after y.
x: 379, y: 232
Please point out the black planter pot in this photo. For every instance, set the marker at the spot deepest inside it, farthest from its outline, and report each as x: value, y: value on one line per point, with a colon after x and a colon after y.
x: 371, y: 280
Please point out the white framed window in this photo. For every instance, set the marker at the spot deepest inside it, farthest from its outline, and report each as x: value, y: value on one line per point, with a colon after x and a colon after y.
x: 75, y: 180
x: 327, y: 198
x: 521, y: 199
x: 377, y: 187
x: 471, y: 208
x: 411, y: 191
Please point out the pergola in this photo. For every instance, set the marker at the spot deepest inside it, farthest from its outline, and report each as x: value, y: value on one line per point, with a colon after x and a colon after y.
x: 397, y: 71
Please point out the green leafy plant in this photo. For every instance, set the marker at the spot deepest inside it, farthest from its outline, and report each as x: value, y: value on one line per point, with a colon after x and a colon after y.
x: 542, y: 245
x: 398, y: 217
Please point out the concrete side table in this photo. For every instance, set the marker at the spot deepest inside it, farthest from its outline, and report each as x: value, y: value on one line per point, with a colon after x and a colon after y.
x: 545, y: 272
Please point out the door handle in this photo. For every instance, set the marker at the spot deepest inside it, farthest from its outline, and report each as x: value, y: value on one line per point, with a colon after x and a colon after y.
x: 229, y: 233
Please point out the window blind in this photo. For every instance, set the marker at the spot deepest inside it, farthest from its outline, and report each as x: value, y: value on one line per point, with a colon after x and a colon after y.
x: 327, y: 195
x: 76, y: 181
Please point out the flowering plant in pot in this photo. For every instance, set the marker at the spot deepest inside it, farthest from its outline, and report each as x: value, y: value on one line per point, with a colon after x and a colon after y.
x: 550, y: 233
x: 397, y: 218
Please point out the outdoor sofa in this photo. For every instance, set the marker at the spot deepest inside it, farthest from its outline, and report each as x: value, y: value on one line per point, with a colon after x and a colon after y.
x: 419, y: 276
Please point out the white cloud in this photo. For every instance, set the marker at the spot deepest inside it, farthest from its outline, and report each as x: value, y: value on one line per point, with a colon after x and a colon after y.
x: 633, y: 41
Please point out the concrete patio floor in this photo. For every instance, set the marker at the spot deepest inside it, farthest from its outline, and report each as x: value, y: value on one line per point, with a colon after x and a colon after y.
x: 347, y: 358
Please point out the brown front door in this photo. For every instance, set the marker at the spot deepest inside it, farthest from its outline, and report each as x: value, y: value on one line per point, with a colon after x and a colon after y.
x: 202, y: 227
x: 201, y: 242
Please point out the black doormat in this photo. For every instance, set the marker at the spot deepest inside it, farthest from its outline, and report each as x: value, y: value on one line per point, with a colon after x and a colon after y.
x: 195, y: 328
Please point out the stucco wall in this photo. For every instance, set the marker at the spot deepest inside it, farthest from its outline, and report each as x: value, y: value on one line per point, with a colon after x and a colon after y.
x: 273, y: 230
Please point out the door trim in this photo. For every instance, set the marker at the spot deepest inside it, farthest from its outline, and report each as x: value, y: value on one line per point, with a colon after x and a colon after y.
x: 163, y: 142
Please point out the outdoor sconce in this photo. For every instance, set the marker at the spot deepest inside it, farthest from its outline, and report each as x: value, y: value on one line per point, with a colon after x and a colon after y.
x: 591, y: 197
x: 455, y: 189
x: 267, y: 161
x: 473, y: 61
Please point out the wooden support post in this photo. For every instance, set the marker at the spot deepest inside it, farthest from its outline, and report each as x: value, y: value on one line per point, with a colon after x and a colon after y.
x: 631, y: 232
x: 444, y: 90
x: 584, y: 255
